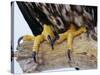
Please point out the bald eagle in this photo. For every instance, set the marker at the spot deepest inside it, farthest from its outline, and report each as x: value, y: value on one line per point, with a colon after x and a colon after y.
x: 57, y: 22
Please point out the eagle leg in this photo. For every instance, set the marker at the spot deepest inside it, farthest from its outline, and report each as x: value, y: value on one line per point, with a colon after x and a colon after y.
x: 82, y: 29
x: 69, y: 45
x: 72, y: 33
x: 37, y: 41
x: 49, y: 34
x: 69, y: 35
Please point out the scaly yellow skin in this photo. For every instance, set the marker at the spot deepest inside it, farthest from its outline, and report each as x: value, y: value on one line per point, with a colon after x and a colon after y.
x: 70, y: 34
x: 40, y: 38
x: 28, y: 38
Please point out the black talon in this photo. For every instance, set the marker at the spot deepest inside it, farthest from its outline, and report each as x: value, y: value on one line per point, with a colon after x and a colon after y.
x: 34, y: 56
x: 52, y: 45
x: 20, y: 40
x: 69, y: 54
x: 51, y: 42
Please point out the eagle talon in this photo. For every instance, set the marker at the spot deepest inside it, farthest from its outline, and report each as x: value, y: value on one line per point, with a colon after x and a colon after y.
x: 51, y: 42
x: 34, y: 56
x: 48, y: 35
x: 69, y: 54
